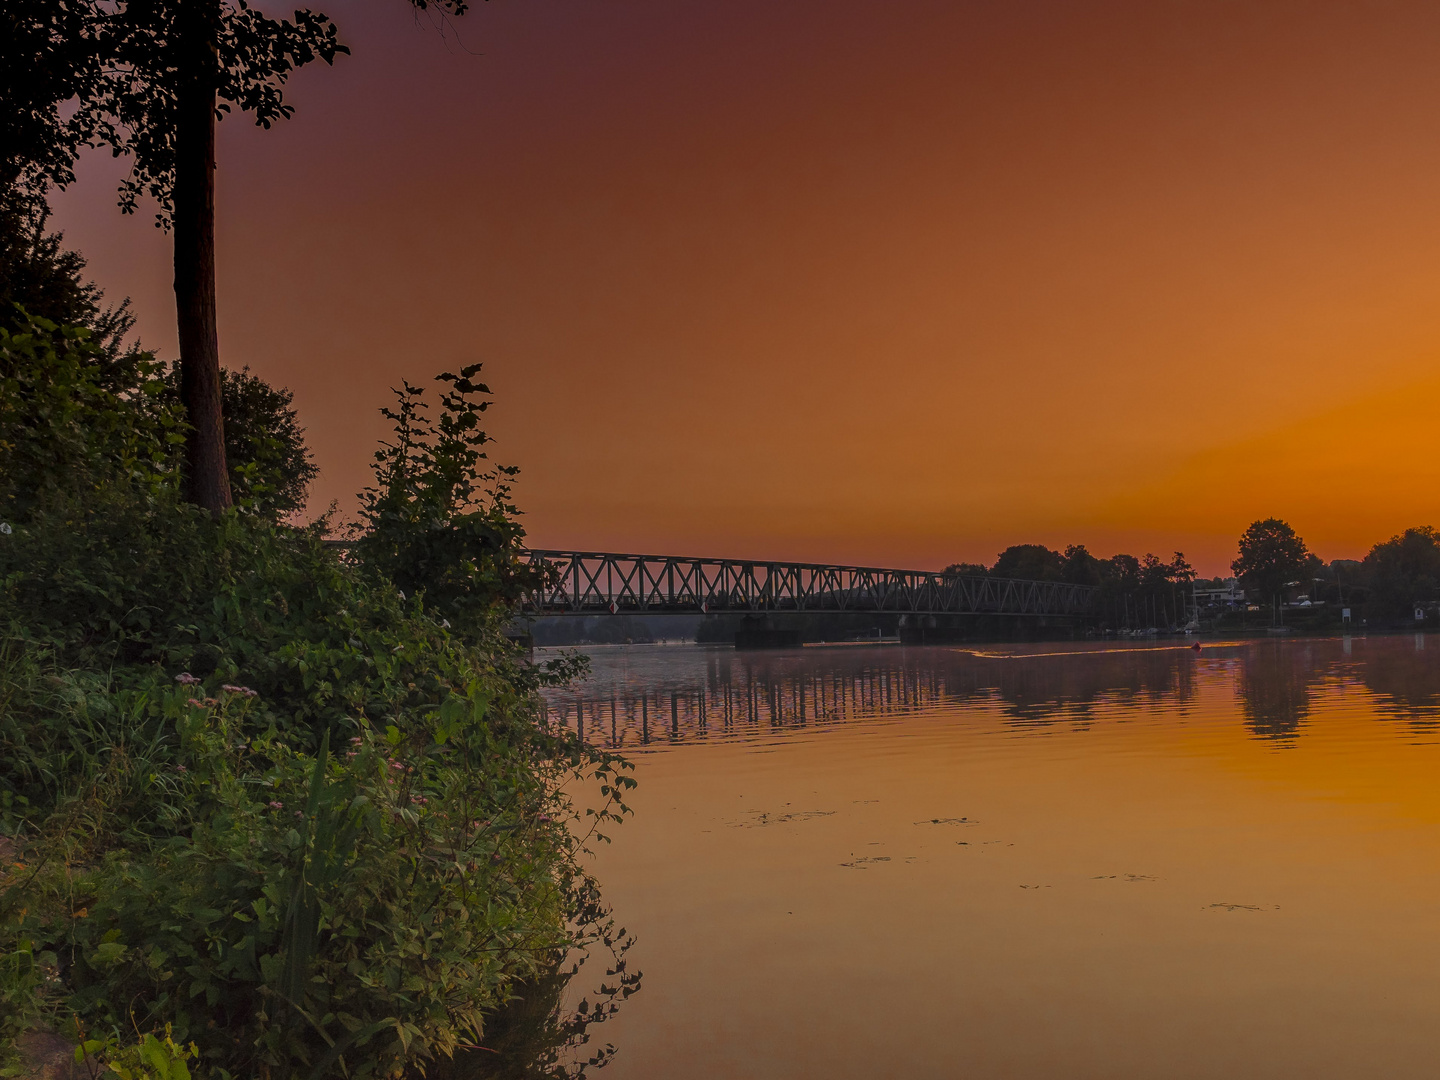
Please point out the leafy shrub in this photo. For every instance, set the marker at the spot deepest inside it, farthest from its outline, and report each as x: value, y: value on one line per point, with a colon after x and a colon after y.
x: 438, y: 521
x: 39, y: 274
x: 151, y: 1058
x: 65, y: 430
x: 271, y: 468
x: 262, y: 798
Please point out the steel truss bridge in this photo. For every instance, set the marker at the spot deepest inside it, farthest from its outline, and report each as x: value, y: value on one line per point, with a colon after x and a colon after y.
x: 600, y: 583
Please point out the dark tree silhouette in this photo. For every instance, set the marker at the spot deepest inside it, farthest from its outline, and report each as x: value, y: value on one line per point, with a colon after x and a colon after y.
x: 149, y: 79
x: 1082, y: 568
x: 40, y: 274
x: 1272, y: 556
x: 1032, y: 562
x: 1405, y: 569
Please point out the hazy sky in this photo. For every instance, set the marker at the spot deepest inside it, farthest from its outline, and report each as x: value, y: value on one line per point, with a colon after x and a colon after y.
x: 900, y: 283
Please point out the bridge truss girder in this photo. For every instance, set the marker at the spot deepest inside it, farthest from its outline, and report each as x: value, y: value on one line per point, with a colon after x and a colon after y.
x: 598, y: 583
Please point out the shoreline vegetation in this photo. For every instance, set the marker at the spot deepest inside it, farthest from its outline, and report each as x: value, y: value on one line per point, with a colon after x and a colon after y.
x: 267, y: 809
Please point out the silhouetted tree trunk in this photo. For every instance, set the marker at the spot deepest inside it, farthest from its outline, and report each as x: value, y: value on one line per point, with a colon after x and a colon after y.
x: 194, y: 223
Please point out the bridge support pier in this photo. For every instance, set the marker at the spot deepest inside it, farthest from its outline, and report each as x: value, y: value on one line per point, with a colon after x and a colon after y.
x: 758, y: 633
x: 767, y: 639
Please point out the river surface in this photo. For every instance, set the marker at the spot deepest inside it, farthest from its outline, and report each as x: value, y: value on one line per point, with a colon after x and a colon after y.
x: 1025, y: 861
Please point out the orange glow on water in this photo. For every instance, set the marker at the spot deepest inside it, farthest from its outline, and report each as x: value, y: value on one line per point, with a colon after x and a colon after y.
x: 1030, y: 862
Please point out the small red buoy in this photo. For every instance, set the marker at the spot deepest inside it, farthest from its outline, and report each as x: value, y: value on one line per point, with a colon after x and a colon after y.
x: 1196, y: 646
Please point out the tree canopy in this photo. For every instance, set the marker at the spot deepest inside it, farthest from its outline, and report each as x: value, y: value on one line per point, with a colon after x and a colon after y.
x: 41, y: 275
x: 1405, y: 569
x: 148, y: 79
x: 83, y: 73
x: 43, y: 282
x: 1272, y: 557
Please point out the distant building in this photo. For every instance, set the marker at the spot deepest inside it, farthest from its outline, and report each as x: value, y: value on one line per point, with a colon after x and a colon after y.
x: 1223, y: 596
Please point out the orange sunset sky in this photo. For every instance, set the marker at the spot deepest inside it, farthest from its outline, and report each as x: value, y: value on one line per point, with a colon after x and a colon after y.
x: 898, y: 283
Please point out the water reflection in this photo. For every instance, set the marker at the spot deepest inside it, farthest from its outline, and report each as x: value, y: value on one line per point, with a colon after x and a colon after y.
x: 649, y: 696
x: 1274, y: 687
x: 1405, y: 685
x: 1114, y: 839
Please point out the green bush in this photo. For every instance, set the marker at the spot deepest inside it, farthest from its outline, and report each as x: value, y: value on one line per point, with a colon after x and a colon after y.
x: 65, y: 432
x: 271, y: 468
x: 438, y: 520
x: 261, y: 797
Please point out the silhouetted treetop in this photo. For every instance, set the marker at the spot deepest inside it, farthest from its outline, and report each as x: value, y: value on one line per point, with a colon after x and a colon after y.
x: 1405, y: 569
x: 1272, y: 556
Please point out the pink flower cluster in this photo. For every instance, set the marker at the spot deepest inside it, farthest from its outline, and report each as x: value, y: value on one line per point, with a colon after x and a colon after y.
x: 186, y: 679
x: 245, y: 690
x: 206, y: 703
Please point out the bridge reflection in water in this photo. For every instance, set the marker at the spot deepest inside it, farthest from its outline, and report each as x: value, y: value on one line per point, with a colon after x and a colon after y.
x: 619, y: 706
x: 646, y: 695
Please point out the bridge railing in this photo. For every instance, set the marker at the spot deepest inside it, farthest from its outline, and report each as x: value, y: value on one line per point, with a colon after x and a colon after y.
x: 593, y: 582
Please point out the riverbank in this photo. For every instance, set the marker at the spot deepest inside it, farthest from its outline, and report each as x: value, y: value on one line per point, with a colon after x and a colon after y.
x: 266, y: 806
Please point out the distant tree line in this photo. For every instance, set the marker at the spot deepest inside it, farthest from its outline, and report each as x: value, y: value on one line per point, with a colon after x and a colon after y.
x: 1395, y: 577
x: 1134, y: 592
x: 1274, y: 566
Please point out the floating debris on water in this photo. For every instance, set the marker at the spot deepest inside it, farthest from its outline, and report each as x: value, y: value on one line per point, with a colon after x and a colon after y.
x: 763, y: 818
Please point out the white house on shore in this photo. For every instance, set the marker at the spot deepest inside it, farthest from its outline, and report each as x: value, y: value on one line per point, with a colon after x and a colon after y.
x: 1229, y: 593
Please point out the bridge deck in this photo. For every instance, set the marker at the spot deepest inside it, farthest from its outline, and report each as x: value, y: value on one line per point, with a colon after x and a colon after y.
x: 595, y: 583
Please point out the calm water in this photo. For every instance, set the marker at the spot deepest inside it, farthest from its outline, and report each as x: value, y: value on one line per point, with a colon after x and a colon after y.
x: 1029, y: 862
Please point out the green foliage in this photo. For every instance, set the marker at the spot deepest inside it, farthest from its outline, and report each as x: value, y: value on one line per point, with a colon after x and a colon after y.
x: 87, y: 73
x: 120, y: 68
x: 76, y: 416
x: 277, y: 907
x: 260, y: 799
x: 1272, y: 557
x: 151, y: 1058
x: 438, y: 520
x: 63, y: 429
x: 968, y: 569
x: 1080, y: 567
x: 535, y: 1035
x: 270, y: 466
x: 48, y: 56
x: 39, y: 274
